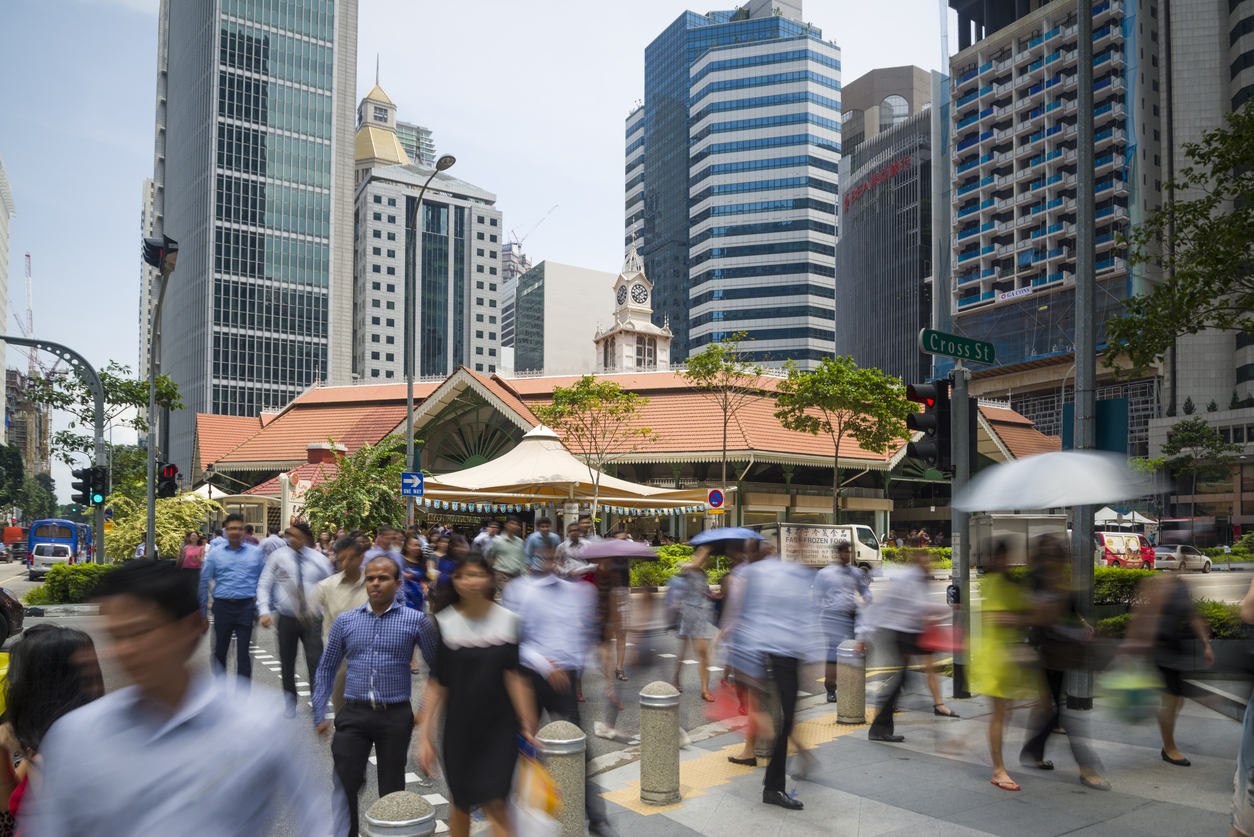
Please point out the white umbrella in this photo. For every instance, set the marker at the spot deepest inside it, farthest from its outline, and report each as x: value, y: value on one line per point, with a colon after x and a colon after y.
x: 1053, y: 480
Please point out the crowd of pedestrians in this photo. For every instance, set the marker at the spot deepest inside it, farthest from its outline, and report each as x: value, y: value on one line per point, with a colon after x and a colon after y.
x: 498, y: 632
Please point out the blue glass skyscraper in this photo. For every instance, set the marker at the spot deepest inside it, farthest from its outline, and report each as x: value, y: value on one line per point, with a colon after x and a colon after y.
x: 731, y: 165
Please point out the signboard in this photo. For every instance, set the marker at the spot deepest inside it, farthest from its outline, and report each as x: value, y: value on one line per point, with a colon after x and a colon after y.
x: 933, y: 342
x: 108, y: 525
x: 1015, y: 294
x: 411, y: 484
x: 714, y: 499
x: 810, y: 545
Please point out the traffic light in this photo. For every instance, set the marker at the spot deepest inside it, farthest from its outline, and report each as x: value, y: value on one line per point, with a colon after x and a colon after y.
x: 167, y: 479
x: 161, y: 253
x: 83, y: 486
x: 99, y: 485
x: 934, y: 423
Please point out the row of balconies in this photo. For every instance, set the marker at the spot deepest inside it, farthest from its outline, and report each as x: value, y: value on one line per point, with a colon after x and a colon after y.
x: 1105, y: 24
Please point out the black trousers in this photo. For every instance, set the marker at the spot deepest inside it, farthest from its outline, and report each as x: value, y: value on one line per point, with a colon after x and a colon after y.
x: 903, y: 646
x: 562, y: 705
x: 233, y: 616
x: 784, y: 676
x: 309, y: 634
x: 356, y: 728
x: 1044, y: 724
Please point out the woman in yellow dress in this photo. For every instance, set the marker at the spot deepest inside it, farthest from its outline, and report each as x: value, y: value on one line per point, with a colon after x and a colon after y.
x: 1002, y: 664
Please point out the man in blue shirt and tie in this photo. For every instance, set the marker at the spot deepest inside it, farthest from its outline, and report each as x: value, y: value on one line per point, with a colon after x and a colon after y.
x: 234, y: 570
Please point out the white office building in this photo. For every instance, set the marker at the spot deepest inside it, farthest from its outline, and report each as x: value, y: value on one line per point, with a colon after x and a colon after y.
x: 558, y: 311
x: 457, y: 272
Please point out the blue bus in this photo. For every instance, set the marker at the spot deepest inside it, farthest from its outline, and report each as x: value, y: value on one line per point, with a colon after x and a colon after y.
x: 54, y: 541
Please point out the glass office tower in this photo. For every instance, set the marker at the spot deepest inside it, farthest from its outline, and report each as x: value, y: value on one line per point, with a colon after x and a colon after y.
x: 258, y: 185
x: 731, y: 167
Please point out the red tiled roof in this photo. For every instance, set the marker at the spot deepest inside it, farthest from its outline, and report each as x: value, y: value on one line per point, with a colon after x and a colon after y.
x: 350, y: 424
x: 218, y: 435
x: 309, y: 473
x: 1018, y: 433
x: 528, y: 388
x: 371, y: 394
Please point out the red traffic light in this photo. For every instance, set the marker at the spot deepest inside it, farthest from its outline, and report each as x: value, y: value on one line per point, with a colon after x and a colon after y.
x: 925, y: 394
x: 169, y: 472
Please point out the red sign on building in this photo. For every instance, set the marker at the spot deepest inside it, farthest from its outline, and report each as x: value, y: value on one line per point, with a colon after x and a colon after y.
x: 875, y: 179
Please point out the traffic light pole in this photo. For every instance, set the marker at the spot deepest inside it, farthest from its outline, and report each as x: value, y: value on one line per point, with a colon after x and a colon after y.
x: 960, y: 436
x: 85, y: 370
x: 154, y: 355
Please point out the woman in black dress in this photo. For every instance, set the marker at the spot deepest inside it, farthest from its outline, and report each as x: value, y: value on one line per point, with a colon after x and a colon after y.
x: 485, y: 700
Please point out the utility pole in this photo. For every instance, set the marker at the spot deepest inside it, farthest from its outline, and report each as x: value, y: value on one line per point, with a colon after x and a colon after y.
x: 960, y: 521
x: 1080, y: 681
x: 161, y: 253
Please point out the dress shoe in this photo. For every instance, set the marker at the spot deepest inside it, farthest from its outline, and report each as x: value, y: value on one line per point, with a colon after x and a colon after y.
x: 877, y: 736
x: 781, y: 799
x: 1180, y: 762
x: 831, y: 695
x: 752, y: 761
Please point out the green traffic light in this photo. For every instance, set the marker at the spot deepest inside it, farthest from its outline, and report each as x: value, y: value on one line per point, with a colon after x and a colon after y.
x: 97, y: 499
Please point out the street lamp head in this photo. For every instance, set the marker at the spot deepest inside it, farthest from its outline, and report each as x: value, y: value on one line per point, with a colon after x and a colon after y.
x: 446, y: 161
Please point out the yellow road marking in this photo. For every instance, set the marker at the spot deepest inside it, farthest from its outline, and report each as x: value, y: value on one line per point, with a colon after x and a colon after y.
x: 7, y: 580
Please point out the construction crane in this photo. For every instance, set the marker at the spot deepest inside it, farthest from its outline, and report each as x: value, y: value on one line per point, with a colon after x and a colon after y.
x: 513, y: 234
x: 27, y: 328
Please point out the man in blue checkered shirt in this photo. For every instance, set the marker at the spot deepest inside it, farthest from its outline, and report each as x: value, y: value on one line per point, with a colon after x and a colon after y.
x: 378, y: 639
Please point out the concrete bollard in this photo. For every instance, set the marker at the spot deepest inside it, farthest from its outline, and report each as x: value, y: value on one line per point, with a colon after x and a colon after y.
x: 659, y: 744
x: 400, y: 814
x: 563, y: 746
x: 768, y: 705
x: 850, y: 684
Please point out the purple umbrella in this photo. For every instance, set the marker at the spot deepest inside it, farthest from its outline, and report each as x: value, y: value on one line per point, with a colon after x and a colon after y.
x: 617, y: 548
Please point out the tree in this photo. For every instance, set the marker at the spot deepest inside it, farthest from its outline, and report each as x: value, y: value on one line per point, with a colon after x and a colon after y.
x: 126, y: 401
x: 128, y: 471
x: 1189, y: 407
x: 37, y: 502
x: 1204, y: 246
x: 1195, y: 449
x: 841, y: 399
x: 1234, y: 403
x: 175, y: 516
x: 365, y: 491
x: 12, y: 476
x: 721, y: 374
x: 1213, y: 406
x: 596, y: 420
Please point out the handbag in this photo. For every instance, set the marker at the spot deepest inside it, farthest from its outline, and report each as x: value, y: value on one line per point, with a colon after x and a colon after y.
x: 941, y: 639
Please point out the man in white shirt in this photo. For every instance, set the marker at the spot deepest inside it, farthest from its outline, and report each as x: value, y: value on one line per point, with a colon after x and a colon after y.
x: 484, y: 539
x: 289, y: 585
x: 272, y: 541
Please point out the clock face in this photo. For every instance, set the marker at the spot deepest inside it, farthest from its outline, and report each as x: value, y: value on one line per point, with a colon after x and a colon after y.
x: 639, y: 293
x: 622, y: 294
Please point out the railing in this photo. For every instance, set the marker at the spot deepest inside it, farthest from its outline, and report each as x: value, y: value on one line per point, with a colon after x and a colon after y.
x: 973, y: 276
x: 962, y: 213
x: 967, y: 233
x: 1045, y: 280
x: 970, y: 120
x: 967, y: 99
x: 1049, y: 132
x: 985, y: 68
x: 968, y: 300
x: 970, y: 254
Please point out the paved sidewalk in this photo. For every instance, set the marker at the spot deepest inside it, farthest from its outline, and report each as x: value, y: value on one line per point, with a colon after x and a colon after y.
x: 936, y: 783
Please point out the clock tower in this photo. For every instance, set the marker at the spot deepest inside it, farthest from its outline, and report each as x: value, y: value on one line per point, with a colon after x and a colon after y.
x: 633, y: 342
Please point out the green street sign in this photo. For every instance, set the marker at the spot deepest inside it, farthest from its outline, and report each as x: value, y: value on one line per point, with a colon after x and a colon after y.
x: 951, y: 345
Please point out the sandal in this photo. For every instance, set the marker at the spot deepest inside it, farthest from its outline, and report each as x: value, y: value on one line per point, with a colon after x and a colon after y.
x: 618, y: 672
x: 1009, y: 784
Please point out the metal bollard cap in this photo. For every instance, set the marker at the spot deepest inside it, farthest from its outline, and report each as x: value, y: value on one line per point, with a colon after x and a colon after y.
x: 401, y: 813
x: 561, y: 738
x: 847, y: 652
x: 659, y: 695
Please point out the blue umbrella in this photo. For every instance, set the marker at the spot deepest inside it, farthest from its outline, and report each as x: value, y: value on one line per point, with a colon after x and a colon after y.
x: 724, y: 533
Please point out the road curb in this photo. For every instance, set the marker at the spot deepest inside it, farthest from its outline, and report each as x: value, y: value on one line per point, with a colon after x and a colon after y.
x: 54, y: 611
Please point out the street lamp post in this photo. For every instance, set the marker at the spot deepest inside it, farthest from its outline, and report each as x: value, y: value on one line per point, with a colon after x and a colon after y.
x: 446, y: 161
x: 161, y: 253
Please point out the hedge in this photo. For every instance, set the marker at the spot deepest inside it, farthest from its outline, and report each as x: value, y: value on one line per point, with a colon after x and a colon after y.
x: 942, y: 558
x: 1111, y: 585
x: 68, y: 584
x: 1224, y: 621
x: 659, y: 573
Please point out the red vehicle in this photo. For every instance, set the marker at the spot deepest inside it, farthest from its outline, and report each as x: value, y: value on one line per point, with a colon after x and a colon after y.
x: 1119, y: 549
x: 14, y: 539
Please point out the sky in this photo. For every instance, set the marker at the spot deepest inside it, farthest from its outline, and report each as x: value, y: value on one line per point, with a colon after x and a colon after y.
x: 529, y: 96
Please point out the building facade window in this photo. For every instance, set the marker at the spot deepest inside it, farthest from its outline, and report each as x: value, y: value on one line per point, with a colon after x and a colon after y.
x: 646, y: 351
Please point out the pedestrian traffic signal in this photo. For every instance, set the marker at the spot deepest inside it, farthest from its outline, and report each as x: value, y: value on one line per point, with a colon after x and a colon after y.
x: 161, y: 253
x: 99, y: 485
x: 934, y: 423
x: 82, y: 487
x: 167, y: 479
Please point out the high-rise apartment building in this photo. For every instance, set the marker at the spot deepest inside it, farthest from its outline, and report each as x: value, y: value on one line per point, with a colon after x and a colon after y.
x: 418, y: 142
x: 884, y: 255
x: 257, y: 187
x: 733, y: 205
x: 458, y: 264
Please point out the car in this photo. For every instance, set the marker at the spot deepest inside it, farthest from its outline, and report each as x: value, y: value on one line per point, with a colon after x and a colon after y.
x: 1170, y: 556
x: 47, y: 556
x: 12, y: 614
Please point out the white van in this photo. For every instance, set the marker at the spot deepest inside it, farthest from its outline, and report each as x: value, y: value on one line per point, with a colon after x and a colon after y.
x: 47, y: 556
x: 814, y: 544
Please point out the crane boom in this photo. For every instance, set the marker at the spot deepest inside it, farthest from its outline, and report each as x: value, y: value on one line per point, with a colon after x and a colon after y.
x: 513, y: 234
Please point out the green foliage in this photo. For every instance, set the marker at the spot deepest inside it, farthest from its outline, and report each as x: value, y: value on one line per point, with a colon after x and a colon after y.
x: 175, y: 516
x: 596, y: 420
x: 942, y: 559
x: 72, y: 583
x: 1171, y: 410
x: 37, y: 596
x: 1212, y: 407
x: 1117, y: 585
x: 721, y: 374
x: 128, y: 471
x: 1239, y: 554
x: 1197, y: 451
x: 659, y: 573
x: 1207, y: 242
x: 1189, y: 407
x: 841, y: 399
x: 126, y: 402
x: 36, y: 502
x: 1222, y: 618
x: 1234, y: 403
x: 365, y: 492
x: 12, y: 476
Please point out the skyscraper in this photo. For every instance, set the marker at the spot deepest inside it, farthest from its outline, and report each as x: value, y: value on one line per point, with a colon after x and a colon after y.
x: 458, y: 265
x: 257, y: 186
x: 418, y: 142
x: 733, y: 205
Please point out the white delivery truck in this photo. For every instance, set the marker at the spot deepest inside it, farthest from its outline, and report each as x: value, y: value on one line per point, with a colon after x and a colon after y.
x: 1016, y: 530
x: 814, y: 544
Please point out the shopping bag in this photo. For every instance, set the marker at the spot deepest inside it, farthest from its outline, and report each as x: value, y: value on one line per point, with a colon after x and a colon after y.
x: 534, y: 802
x: 1132, y: 687
x: 941, y: 639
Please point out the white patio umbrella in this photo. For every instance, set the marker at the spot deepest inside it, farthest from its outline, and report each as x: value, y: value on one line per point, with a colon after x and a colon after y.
x: 1053, y: 480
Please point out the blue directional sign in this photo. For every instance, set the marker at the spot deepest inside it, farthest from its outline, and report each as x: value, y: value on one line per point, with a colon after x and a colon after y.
x: 411, y: 484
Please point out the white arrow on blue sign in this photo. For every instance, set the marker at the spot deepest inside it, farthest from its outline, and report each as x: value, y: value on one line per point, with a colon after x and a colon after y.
x: 411, y: 484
